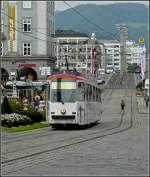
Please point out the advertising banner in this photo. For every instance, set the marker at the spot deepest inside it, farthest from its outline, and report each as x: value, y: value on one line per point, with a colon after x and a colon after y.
x: 11, y: 26
x: 141, y: 40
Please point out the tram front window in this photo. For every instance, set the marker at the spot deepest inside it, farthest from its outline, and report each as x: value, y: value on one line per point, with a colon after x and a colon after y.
x: 63, y: 90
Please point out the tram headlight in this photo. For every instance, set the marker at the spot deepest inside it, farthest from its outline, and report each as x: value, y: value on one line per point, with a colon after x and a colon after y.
x: 63, y: 111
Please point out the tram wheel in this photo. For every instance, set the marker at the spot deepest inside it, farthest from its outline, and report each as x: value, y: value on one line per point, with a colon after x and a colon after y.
x: 54, y: 126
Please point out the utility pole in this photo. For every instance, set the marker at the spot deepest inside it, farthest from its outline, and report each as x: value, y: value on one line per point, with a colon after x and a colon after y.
x: 0, y: 56
x: 122, y: 38
x: 92, y: 57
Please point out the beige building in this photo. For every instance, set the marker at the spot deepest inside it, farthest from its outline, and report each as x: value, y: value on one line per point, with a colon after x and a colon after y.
x: 28, y: 30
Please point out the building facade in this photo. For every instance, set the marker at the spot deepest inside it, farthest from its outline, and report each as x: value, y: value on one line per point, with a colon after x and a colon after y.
x: 78, y: 50
x: 134, y: 51
x: 28, y: 28
x: 112, y: 54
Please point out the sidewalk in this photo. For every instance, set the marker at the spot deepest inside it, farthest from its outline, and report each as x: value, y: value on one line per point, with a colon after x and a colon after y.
x: 142, y: 105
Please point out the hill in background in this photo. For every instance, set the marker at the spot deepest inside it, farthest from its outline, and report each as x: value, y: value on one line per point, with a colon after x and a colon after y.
x: 135, y: 16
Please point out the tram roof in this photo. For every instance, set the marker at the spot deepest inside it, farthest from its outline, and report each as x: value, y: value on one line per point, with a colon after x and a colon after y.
x: 71, y: 74
x: 66, y: 74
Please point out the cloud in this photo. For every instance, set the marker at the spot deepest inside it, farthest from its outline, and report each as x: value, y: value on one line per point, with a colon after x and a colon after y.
x: 60, y: 5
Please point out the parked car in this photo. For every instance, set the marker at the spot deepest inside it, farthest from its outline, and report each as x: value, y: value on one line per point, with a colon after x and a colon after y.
x: 100, y: 80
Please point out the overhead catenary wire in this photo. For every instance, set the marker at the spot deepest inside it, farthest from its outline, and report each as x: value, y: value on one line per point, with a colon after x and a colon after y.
x: 23, y: 24
x: 47, y: 35
x: 91, y: 22
x: 26, y: 34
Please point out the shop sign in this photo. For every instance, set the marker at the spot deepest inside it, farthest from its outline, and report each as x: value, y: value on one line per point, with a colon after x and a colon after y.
x: 27, y: 65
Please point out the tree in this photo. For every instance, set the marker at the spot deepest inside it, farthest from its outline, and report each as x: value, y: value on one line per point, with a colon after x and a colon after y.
x: 6, y: 108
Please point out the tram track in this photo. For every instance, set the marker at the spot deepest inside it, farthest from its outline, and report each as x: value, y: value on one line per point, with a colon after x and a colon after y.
x: 37, y: 135
x: 22, y: 138
x: 78, y: 142
x: 84, y: 140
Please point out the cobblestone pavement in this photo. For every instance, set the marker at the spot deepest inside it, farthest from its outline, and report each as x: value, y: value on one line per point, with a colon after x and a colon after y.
x: 119, y: 154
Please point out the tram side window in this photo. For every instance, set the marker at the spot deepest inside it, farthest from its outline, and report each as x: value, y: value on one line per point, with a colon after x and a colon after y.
x: 97, y: 96
x: 86, y: 92
x: 94, y: 94
x: 90, y: 93
x: 100, y: 96
x: 80, y: 92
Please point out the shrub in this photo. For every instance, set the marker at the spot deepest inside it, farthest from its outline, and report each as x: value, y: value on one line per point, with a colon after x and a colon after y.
x: 30, y: 122
x: 34, y: 115
x: 6, y: 108
x: 43, y: 114
x: 15, y: 123
x: 9, y: 120
x: 17, y: 107
x: 9, y: 123
x: 4, y: 122
x: 23, y: 121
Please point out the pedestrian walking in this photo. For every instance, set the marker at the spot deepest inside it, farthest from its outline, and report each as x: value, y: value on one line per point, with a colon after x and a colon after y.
x: 122, y: 106
x: 36, y: 102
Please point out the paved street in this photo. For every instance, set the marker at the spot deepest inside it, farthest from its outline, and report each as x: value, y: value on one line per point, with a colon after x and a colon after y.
x: 118, y: 145
x: 79, y: 69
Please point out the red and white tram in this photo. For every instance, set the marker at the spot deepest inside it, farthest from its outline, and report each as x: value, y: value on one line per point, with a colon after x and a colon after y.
x: 73, y: 98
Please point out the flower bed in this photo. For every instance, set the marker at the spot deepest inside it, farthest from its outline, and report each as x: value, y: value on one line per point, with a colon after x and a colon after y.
x: 10, y: 120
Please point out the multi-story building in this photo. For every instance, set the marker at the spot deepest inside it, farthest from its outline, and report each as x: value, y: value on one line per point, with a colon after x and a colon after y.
x: 112, y: 54
x: 78, y: 49
x: 28, y: 37
x: 133, y: 51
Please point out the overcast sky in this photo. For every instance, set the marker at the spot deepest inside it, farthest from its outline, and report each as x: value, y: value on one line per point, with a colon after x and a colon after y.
x: 60, y: 5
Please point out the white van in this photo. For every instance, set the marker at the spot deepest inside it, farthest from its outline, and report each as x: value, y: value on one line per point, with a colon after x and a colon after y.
x: 101, y: 71
x: 109, y: 69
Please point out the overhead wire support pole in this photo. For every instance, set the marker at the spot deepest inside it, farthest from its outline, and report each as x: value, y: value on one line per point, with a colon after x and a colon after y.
x: 0, y: 56
x: 122, y: 38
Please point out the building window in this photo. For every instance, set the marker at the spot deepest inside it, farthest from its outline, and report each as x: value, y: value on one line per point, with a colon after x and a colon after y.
x: 26, y: 49
x: 26, y: 4
x: 1, y: 49
x: 27, y: 25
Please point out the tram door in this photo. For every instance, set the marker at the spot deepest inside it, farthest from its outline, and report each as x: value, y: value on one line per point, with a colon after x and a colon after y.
x: 47, y: 100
